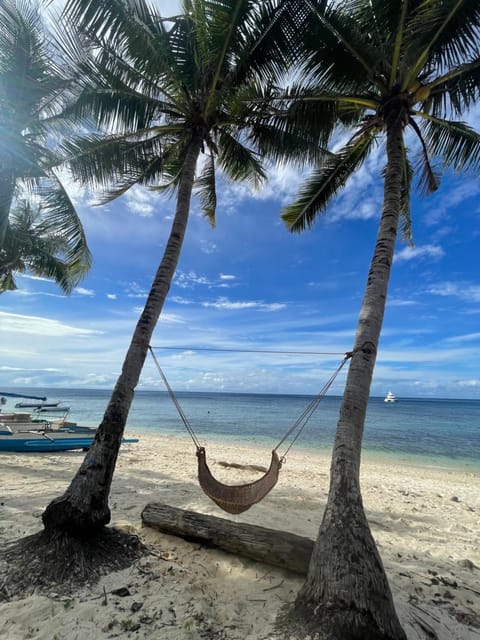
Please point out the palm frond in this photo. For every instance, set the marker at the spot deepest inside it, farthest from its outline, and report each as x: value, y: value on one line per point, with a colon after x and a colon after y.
x: 206, y: 189
x: 34, y: 244
x: 268, y: 43
x: 456, y: 143
x: 443, y: 35
x: 237, y: 161
x: 429, y: 176
x: 337, y: 34
x: 61, y: 218
x: 326, y: 182
x: 99, y: 160
x: 405, y: 199
x: 455, y: 91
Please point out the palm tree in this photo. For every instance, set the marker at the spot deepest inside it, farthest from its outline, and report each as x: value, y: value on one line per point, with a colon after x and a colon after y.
x: 389, y: 69
x: 33, y: 243
x: 34, y: 89
x: 175, y: 96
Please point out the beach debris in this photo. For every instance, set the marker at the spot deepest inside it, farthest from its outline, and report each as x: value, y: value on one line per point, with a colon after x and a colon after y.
x: 244, y: 467
x: 122, y: 592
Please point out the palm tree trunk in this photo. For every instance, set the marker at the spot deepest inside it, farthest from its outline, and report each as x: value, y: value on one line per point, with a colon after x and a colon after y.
x: 83, y: 509
x: 346, y: 595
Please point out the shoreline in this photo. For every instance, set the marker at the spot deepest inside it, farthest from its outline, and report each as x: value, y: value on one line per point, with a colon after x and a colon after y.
x: 441, y: 462
x: 425, y: 521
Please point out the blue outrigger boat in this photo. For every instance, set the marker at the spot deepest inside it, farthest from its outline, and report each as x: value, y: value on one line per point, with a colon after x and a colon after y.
x: 53, y: 440
x: 20, y: 433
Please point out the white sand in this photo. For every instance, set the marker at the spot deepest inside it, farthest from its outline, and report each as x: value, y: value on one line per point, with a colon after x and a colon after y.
x: 426, y: 522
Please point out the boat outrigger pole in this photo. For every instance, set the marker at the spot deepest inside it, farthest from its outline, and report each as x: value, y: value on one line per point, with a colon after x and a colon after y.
x: 22, y: 395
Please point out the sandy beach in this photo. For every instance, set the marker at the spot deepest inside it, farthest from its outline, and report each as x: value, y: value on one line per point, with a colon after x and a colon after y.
x: 426, y: 522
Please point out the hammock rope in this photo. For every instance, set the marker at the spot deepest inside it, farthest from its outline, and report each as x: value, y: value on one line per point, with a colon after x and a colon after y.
x: 302, y: 421
x: 238, y: 498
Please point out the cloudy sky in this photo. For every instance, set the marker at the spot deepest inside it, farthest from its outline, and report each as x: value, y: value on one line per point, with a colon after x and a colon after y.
x: 250, y: 285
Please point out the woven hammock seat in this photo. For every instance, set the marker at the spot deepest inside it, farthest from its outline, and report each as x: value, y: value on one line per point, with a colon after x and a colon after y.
x: 237, y: 498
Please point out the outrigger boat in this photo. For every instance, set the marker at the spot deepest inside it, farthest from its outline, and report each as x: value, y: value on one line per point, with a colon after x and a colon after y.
x: 23, y: 421
x: 49, y: 440
x: 20, y: 432
x: 58, y: 408
x: 41, y: 405
x: 36, y: 405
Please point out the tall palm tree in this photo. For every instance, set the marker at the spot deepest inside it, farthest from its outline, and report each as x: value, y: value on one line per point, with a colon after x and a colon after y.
x: 389, y: 68
x: 34, y: 89
x: 175, y: 96
x: 33, y: 243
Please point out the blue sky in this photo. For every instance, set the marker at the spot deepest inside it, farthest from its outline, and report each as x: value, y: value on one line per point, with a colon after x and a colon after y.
x: 250, y: 284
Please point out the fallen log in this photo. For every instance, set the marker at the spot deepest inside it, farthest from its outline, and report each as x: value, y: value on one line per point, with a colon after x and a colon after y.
x: 277, y: 548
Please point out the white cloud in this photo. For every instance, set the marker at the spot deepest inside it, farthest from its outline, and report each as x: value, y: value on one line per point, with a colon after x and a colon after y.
x: 281, y: 186
x: 180, y: 300
x: 29, y: 276
x: 416, y: 253
x: 112, y: 296
x: 465, y: 338
x: 25, y: 293
x: 134, y: 290
x: 224, y: 303
x: 171, y: 318
x: 81, y: 291
x: 190, y: 279
x: 467, y: 292
x: 141, y: 201
x: 208, y: 248
x: 475, y: 383
x: 36, y: 325
x: 448, y: 201
x: 397, y: 302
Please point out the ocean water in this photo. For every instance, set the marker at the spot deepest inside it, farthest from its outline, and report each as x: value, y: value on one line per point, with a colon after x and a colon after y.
x: 422, y: 431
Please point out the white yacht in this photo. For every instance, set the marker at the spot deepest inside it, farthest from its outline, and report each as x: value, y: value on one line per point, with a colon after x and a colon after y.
x: 390, y: 397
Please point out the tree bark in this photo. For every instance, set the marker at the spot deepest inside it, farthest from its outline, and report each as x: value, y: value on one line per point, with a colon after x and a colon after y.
x: 83, y: 509
x: 277, y: 548
x: 346, y: 595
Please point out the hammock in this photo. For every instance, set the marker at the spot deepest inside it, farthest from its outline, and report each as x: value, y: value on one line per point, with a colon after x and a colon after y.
x: 235, y: 499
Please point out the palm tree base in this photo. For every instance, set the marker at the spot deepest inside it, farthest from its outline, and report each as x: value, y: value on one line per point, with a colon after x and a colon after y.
x: 61, y: 562
x: 346, y: 595
x: 63, y: 515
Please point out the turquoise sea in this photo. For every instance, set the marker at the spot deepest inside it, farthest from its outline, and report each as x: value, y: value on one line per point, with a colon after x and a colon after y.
x: 420, y: 431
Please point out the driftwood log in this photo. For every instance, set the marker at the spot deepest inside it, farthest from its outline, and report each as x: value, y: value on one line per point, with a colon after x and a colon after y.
x: 277, y: 548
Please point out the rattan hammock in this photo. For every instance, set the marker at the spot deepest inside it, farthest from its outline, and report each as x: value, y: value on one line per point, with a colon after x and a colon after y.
x: 235, y: 499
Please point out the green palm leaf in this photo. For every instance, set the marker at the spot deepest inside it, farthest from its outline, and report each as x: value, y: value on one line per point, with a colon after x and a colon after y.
x: 35, y: 85
x: 327, y: 181
x: 206, y: 191
x: 456, y: 143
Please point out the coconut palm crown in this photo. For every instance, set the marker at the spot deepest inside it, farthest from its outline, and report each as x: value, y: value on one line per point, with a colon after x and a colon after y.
x: 411, y: 65
x: 33, y: 245
x: 159, y: 85
x: 33, y: 90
